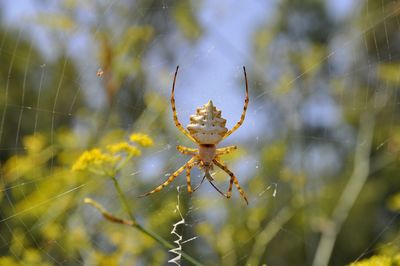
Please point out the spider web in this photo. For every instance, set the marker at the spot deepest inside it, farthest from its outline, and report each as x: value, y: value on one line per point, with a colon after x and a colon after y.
x: 319, y: 75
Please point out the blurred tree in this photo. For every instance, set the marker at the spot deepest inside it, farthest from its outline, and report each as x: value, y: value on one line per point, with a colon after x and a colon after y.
x: 321, y: 190
x: 338, y: 202
x: 40, y: 198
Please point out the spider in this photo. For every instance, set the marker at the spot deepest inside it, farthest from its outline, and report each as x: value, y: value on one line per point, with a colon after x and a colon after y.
x: 206, y: 129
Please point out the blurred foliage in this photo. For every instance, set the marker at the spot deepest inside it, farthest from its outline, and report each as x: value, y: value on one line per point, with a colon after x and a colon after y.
x: 50, y: 124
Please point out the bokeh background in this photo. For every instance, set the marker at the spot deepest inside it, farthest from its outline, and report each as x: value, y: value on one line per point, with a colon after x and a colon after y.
x: 318, y: 151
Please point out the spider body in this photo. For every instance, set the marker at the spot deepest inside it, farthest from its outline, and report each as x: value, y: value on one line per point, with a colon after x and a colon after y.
x: 206, y: 129
x: 207, y: 126
x: 207, y: 153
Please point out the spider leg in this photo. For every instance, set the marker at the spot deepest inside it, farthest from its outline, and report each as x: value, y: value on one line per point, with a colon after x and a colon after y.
x: 225, y: 150
x: 175, y: 115
x: 185, y: 150
x: 217, y: 189
x: 197, y: 187
x: 246, y: 102
x: 233, y: 180
x: 188, y: 168
x: 171, y: 178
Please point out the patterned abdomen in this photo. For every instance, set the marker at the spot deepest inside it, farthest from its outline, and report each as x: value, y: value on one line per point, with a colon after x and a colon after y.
x: 207, y: 126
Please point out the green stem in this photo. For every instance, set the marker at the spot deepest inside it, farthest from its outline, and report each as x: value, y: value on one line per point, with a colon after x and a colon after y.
x: 123, y: 199
x: 352, y: 190
x: 268, y: 233
x: 146, y: 231
x: 122, y: 164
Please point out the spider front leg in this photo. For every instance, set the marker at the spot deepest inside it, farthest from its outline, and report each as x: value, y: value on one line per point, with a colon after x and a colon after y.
x: 225, y: 150
x: 246, y: 103
x: 175, y: 115
x: 233, y: 180
x: 171, y: 178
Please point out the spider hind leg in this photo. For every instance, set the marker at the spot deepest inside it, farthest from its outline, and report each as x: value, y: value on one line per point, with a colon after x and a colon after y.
x: 189, y: 186
x: 212, y: 184
x: 233, y: 180
x: 217, y: 189
x: 171, y: 178
x: 197, y: 187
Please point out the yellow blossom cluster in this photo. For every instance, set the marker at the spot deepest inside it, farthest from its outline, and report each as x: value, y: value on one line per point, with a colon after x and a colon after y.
x: 97, y: 160
x: 142, y: 139
x: 94, y: 158
x: 379, y: 260
x: 124, y: 147
x: 34, y: 143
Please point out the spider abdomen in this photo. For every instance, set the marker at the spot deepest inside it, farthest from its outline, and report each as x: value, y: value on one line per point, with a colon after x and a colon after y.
x: 207, y: 126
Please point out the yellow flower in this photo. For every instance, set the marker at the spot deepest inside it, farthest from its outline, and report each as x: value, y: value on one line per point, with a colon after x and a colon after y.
x: 394, y: 203
x: 9, y: 261
x: 380, y: 260
x: 34, y: 143
x: 142, y: 139
x: 101, y: 162
x: 94, y: 158
x: 124, y: 147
